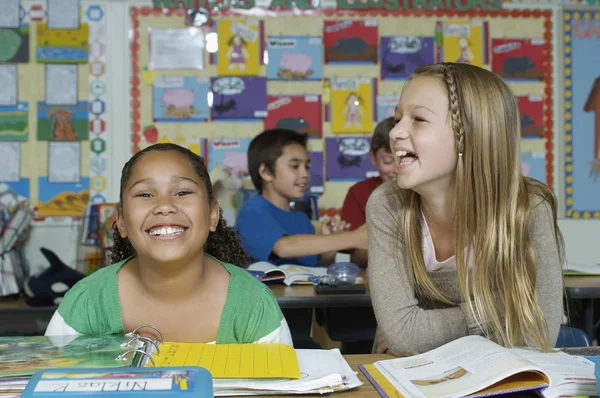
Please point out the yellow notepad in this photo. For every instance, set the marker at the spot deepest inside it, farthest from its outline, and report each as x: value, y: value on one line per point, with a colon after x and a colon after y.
x: 247, y: 361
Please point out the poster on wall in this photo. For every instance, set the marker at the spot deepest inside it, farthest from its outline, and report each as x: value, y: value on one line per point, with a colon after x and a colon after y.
x: 15, y: 44
x: 531, y: 109
x: 386, y: 106
x: 62, y: 199
x: 464, y: 41
x: 295, y: 58
x: 240, y: 48
x: 317, y: 180
x: 180, y: 99
x: 533, y: 164
x: 62, y: 45
x: 352, y: 103
x: 581, y: 54
x: 347, y: 158
x: 239, y: 97
x: 14, y: 122
x: 518, y: 58
x: 63, y: 123
x: 230, y: 154
x: 301, y: 113
x: 401, y: 55
x: 350, y: 41
x: 176, y: 49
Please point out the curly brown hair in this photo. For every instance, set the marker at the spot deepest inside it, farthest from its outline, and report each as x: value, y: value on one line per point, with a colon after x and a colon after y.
x: 224, y: 243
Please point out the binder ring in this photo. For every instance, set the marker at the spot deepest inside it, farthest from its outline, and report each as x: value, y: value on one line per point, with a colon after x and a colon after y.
x: 134, y: 332
x: 145, y: 339
x: 122, y: 356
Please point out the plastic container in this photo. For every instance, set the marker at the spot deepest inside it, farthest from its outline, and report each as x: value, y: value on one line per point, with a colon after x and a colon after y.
x: 343, y: 272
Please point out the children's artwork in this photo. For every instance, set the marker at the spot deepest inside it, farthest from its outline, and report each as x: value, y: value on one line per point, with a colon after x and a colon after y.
x: 21, y: 188
x: 239, y: 97
x: 465, y: 42
x: 14, y: 122
x: 533, y: 164
x: 581, y: 52
x: 64, y: 123
x: 180, y: 99
x: 295, y: 58
x: 230, y: 154
x: 317, y: 180
x: 518, y: 58
x: 353, y: 41
x: 240, y: 47
x: 15, y: 44
x: 352, y: 105
x: 176, y: 49
x: 62, y: 45
x: 301, y: 113
x: 401, y: 55
x: 386, y: 106
x: 62, y: 199
x: 347, y: 158
x: 531, y: 109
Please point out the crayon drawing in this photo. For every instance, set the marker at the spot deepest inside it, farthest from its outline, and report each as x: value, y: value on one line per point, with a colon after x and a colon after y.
x: 64, y: 123
x: 62, y: 45
x: 239, y: 48
x: 352, y: 105
x: 14, y: 122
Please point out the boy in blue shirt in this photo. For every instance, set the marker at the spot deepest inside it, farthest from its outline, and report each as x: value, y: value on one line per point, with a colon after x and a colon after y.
x: 279, y: 166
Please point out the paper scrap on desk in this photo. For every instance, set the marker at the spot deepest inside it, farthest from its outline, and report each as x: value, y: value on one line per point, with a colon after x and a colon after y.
x: 61, y: 84
x: 10, y: 153
x: 63, y: 14
x: 9, y: 17
x: 176, y: 49
x: 8, y: 82
x: 233, y: 360
x: 64, y: 162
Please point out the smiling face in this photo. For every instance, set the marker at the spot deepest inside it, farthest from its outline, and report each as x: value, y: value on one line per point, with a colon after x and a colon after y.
x: 422, y: 139
x: 290, y: 177
x: 386, y: 164
x: 166, y: 214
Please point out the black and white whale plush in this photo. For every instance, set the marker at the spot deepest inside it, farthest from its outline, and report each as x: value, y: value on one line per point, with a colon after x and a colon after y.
x: 49, y: 287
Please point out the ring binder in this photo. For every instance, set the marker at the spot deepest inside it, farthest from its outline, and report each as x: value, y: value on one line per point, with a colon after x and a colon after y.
x: 136, y: 362
x: 145, y: 339
x: 134, y: 333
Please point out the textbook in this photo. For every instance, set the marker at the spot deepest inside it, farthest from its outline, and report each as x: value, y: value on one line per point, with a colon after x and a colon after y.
x: 175, y: 382
x: 474, y: 366
x: 289, y: 274
x: 577, y: 269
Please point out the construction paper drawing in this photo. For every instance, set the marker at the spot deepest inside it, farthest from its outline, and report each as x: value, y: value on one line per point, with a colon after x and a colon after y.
x: 14, y: 46
x: 180, y: 99
x: 386, y: 106
x: 465, y: 42
x: 352, y: 105
x: 239, y: 97
x: 14, y: 122
x: 518, y: 58
x: 531, y: 110
x: 301, y: 113
x: 63, y: 123
x: 317, y: 180
x: 240, y: 50
x: 62, y: 45
x: 347, y: 158
x: 295, y: 58
x: 231, y: 154
x: 353, y: 41
x: 533, y: 164
x: 401, y: 55
x: 62, y: 199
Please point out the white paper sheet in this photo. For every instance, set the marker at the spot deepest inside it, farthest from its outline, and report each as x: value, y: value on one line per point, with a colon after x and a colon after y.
x: 8, y: 85
x: 9, y: 17
x: 61, y: 84
x: 10, y: 157
x: 177, y: 49
x: 63, y: 14
x: 64, y: 162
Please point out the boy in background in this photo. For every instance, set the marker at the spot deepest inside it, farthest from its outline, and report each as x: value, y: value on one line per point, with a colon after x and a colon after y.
x: 353, y: 210
x: 279, y: 166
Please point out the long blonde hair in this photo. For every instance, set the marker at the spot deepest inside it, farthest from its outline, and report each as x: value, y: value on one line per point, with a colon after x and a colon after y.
x: 492, y: 213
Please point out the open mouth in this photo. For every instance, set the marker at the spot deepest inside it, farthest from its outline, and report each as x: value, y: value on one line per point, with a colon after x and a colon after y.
x: 164, y: 231
x: 406, y: 157
x: 302, y: 186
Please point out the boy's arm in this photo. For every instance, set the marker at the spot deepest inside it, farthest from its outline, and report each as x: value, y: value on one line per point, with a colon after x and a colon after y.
x: 302, y: 245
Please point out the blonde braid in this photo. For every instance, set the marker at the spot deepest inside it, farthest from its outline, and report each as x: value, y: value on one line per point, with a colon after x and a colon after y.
x: 456, y: 119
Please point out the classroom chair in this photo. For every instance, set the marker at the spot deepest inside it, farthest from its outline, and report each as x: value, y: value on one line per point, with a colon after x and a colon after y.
x: 572, y: 337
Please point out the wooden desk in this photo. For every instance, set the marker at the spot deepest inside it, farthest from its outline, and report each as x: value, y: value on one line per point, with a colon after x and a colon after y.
x: 304, y: 296
x: 586, y: 289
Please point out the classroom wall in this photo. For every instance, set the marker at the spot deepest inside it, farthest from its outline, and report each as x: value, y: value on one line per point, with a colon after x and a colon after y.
x: 581, y: 236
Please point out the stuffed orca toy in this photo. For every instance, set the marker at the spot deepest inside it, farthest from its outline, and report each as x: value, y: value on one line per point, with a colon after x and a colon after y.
x: 49, y: 287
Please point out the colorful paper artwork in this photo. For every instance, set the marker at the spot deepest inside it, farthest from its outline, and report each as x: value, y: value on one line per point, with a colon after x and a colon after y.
x: 301, y: 113
x: 62, y: 199
x: 518, y: 58
x: 347, y: 158
x: 401, y: 55
x: 352, y: 105
x: 533, y: 164
x: 531, y: 110
x: 295, y: 58
x: 350, y: 41
x: 62, y: 45
x: 386, y: 106
x: 63, y: 123
x: 180, y: 99
x: 465, y: 42
x: 14, y: 47
x: 239, y: 97
x: 240, y: 49
x: 14, y: 122
x: 21, y: 188
x: 230, y: 154
x: 317, y: 180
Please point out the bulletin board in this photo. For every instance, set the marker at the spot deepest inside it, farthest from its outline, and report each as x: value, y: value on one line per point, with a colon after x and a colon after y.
x: 516, y: 43
x: 581, y: 51
x: 53, y: 148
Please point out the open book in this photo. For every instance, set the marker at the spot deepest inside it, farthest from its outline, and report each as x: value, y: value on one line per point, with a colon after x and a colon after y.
x: 474, y: 366
x: 290, y: 274
x: 581, y: 269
